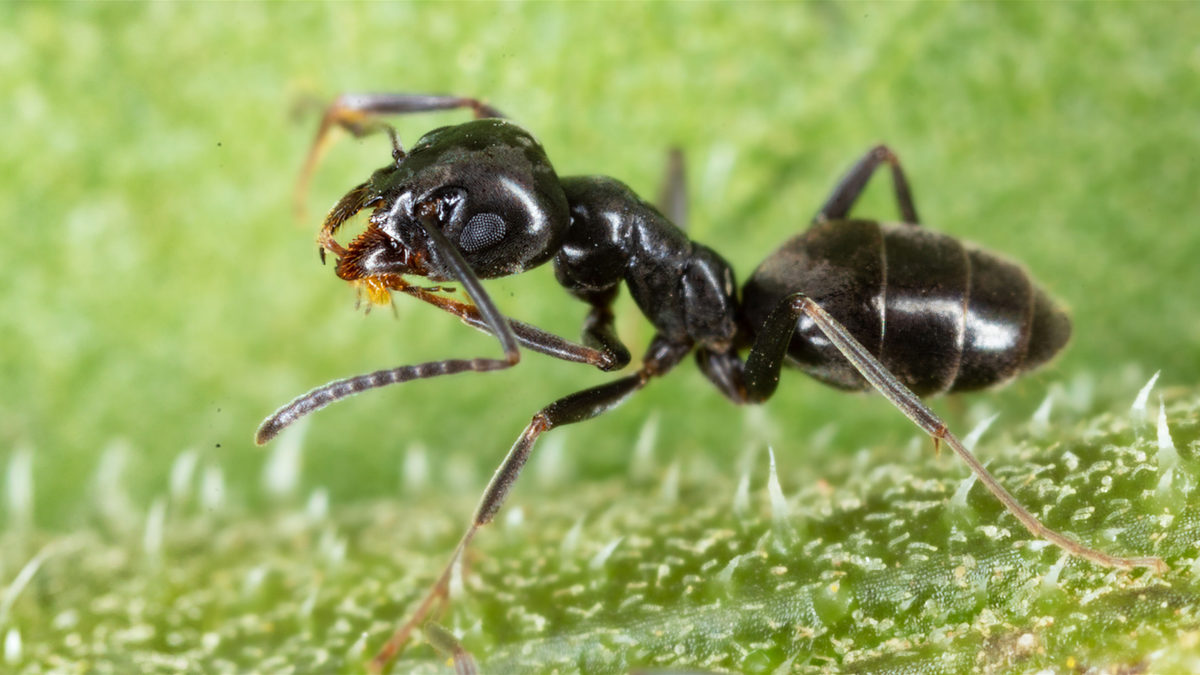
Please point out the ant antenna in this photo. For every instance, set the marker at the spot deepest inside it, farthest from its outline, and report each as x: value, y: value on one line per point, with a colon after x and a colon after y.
x: 397, y: 147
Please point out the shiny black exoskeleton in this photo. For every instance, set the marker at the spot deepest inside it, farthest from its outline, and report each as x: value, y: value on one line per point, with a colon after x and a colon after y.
x: 941, y: 317
x: 854, y: 303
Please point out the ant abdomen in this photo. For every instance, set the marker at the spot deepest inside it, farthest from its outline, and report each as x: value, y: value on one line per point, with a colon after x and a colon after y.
x: 941, y: 316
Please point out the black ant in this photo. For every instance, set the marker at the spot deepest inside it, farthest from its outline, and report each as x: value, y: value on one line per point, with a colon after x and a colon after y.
x: 917, y: 312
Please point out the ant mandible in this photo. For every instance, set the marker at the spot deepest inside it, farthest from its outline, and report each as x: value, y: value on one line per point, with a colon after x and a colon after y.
x: 917, y: 312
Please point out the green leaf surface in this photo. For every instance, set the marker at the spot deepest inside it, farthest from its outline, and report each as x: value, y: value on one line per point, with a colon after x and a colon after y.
x: 159, y: 299
x: 890, y: 564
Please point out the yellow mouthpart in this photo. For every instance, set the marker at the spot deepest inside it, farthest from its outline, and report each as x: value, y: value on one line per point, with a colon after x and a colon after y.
x: 376, y: 289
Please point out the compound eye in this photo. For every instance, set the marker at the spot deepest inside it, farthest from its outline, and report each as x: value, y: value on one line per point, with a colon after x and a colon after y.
x: 481, y: 231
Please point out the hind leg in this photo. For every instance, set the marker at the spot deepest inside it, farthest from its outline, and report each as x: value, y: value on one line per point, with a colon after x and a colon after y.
x: 673, y: 194
x: 762, y: 376
x: 848, y: 190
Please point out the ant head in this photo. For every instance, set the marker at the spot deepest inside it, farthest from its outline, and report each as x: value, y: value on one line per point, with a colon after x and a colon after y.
x: 486, y: 185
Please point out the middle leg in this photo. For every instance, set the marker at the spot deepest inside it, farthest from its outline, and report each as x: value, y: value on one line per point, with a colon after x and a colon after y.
x: 661, y: 357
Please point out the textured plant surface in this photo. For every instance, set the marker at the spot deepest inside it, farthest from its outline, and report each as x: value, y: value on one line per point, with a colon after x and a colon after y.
x: 893, y: 564
x: 159, y: 298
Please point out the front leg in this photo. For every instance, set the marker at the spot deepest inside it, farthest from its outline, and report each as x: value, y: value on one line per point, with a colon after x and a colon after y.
x: 361, y: 115
x: 601, y: 347
x: 599, y: 329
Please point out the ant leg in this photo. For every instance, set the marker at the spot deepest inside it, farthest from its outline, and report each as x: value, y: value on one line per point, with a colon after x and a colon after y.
x: 768, y: 345
x: 765, y: 361
x: 673, y: 195
x: 606, y: 358
x: 448, y: 646
x: 601, y: 347
x: 600, y: 335
x: 599, y: 331
x: 359, y: 114
x: 661, y: 357
x: 349, y: 108
x: 838, y: 206
x: 727, y: 372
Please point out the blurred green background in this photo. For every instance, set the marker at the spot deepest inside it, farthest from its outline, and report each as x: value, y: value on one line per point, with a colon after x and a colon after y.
x: 158, y: 293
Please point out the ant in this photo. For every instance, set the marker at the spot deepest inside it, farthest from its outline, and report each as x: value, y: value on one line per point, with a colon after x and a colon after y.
x: 854, y: 303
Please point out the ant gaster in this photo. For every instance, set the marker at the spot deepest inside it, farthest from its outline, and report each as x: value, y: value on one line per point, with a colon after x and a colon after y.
x: 854, y: 303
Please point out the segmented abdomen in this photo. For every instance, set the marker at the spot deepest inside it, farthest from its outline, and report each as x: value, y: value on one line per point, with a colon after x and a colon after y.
x: 941, y: 317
